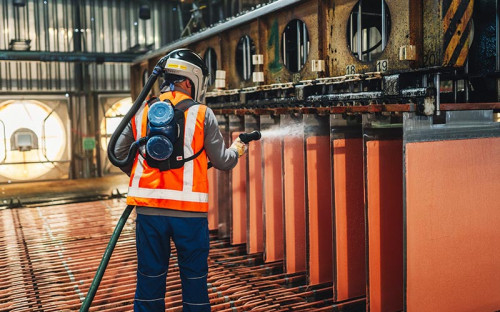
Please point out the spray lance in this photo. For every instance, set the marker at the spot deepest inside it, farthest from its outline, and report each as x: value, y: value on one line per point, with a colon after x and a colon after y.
x: 252, y: 136
x: 245, y: 138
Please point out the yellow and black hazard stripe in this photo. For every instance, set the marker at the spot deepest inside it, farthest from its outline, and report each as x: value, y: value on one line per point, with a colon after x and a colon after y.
x: 457, y: 31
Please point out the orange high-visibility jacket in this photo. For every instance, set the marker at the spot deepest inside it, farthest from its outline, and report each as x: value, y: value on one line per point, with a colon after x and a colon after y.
x: 185, y: 188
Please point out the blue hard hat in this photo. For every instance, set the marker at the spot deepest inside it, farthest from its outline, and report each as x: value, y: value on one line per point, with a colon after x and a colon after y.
x: 160, y: 114
x: 159, y: 147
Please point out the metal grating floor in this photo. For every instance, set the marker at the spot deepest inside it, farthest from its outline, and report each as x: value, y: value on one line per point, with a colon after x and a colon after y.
x: 48, y: 257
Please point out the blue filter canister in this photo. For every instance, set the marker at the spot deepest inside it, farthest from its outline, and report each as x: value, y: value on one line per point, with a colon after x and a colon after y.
x: 159, y: 147
x: 160, y: 114
x: 162, y: 131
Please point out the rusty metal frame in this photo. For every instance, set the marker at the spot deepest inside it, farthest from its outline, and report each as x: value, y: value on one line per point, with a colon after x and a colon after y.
x: 371, y: 108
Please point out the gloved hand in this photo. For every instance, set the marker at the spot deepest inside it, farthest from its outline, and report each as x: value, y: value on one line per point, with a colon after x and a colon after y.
x: 239, y: 147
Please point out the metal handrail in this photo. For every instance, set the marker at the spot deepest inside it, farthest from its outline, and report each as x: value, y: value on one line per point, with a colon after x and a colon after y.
x: 5, y: 142
x: 44, y: 144
x: 34, y: 162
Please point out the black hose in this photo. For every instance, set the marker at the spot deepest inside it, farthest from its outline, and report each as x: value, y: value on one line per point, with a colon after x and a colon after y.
x: 157, y: 71
x: 105, y: 259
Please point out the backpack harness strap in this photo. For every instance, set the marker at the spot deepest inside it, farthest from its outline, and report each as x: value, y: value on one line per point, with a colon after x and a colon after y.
x: 184, y: 105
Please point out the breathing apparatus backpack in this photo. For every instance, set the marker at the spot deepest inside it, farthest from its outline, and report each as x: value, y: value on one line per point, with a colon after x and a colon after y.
x: 165, y: 134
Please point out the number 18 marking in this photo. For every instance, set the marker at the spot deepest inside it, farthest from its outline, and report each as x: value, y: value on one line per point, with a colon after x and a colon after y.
x: 350, y: 70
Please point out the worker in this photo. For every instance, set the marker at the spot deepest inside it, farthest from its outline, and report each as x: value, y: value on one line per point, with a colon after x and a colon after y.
x: 173, y: 204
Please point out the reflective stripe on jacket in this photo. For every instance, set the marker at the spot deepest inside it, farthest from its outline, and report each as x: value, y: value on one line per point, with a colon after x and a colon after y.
x: 185, y: 188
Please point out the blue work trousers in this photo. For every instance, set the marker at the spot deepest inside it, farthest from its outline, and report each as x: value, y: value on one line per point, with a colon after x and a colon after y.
x: 190, y: 236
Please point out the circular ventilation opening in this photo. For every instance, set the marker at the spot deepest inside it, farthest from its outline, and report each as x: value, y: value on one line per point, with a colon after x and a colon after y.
x: 210, y: 59
x: 33, y: 138
x: 368, y: 29
x: 244, y: 51
x: 112, y: 119
x: 295, y: 45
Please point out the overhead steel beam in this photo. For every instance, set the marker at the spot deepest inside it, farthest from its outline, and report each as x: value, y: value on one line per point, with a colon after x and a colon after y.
x: 218, y: 28
x: 83, y: 57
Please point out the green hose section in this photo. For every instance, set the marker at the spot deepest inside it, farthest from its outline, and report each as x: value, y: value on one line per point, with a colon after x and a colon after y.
x: 105, y: 259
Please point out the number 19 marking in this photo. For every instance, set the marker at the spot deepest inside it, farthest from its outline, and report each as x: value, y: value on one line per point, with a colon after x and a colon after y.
x: 382, y: 65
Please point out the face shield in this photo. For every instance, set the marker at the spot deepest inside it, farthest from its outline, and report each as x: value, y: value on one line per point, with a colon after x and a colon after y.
x: 192, y: 72
x: 201, y: 96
